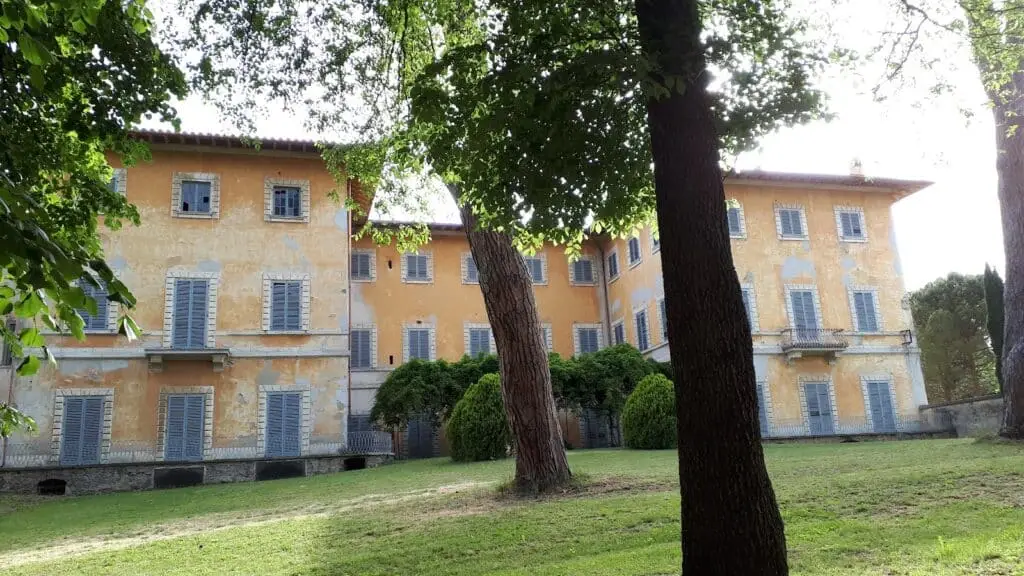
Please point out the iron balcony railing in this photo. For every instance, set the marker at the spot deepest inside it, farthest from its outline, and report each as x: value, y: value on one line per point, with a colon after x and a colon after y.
x: 813, y: 339
x: 828, y: 425
x: 374, y: 442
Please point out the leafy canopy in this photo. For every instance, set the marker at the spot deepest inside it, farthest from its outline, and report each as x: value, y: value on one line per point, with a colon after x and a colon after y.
x: 76, y: 75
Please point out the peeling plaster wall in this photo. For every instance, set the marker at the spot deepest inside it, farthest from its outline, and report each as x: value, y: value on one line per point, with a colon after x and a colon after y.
x: 448, y: 303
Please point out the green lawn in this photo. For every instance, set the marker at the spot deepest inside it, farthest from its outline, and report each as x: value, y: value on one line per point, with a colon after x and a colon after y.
x: 900, y: 508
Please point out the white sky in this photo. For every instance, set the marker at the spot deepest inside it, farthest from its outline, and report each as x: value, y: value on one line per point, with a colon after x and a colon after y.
x: 951, y: 226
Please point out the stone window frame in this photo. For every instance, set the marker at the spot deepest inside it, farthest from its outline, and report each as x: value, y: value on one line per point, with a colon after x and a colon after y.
x: 213, y: 178
x: 839, y: 210
x: 613, y: 253
x: 548, y: 334
x: 305, y: 282
x: 211, y: 303
x: 755, y: 325
x: 643, y: 308
x: 464, y: 260
x: 803, y: 221
x: 113, y: 308
x: 161, y: 427
x: 373, y: 346
x: 432, y: 339
x: 572, y: 271
x: 467, y: 326
x: 121, y: 181
x: 430, y: 267
x: 817, y: 379
x: 269, y: 184
x: 305, y: 424
x: 880, y: 377
x: 577, y: 326
x: 850, y: 291
x: 543, y: 268
x: 625, y: 337
x: 639, y: 251
x: 57, y: 431
x: 372, y: 253
x: 813, y: 288
x: 742, y: 234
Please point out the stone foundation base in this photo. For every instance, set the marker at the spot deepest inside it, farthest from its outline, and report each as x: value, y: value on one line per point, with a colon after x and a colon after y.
x: 128, y: 477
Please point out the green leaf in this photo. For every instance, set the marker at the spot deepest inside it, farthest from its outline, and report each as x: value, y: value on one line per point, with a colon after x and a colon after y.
x: 29, y: 366
x: 31, y: 338
x: 36, y: 78
x: 34, y: 52
x: 128, y: 328
x: 30, y: 306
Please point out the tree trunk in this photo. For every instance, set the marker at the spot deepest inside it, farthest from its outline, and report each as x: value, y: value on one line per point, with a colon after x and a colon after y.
x: 730, y: 519
x: 1009, y: 117
x: 522, y: 358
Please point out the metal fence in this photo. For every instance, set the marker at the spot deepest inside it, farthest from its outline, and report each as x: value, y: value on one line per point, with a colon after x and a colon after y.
x: 374, y: 442
x: 845, y: 426
x: 816, y: 338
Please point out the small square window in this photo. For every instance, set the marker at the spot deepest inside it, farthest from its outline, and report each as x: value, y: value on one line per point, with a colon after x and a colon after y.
x: 287, y: 202
x: 479, y: 342
x: 98, y: 322
x: 619, y: 333
x: 472, y: 274
x: 634, y: 251
x: 851, y: 224
x: 362, y: 348
x: 286, y: 306
x: 418, y: 343
x: 791, y: 223
x: 865, y: 311
x: 362, y: 266
x: 195, y: 196
x: 734, y: 217
x: 535, y: 264
x: 583, y: 271
x: 417, y: 268
x: 588, y: 339
x: 613, y: 266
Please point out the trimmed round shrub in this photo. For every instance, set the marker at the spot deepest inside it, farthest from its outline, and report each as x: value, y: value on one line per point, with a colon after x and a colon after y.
x: 478, y: 428
x: 649, y: 418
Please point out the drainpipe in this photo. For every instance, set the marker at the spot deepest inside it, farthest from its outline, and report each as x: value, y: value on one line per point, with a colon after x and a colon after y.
x: 10, y: 398
x: 348, y: 328
x: 604, y: 290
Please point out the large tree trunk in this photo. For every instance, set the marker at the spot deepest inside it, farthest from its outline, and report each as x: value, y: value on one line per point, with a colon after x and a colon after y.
x: 522, y: 358
x: 1009, y: 117
x: 730, y: 520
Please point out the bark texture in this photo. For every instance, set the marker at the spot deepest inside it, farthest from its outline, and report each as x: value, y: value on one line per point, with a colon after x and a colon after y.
x: 541, y: 464
x: 1009, y: 120
x: 730, y: 520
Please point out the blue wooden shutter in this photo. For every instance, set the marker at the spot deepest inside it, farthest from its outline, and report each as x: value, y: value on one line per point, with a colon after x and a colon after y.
x: 197, y: 315
x: 293, y: 309
x: 613, y: 265
x: 850, y: 224
x: 664, y: 319
x: 99, y: 294
x: 278, y: 304
x: 195, y: 418
x: 292, y: 424
x: 762, y: 410
x: 864, y: 305
x: 791, y: 224
x: 620, y: 334
x: 92, y: 429
x: 189, y: 324
x: 472, y: 274
x: 479, y: 342
x: 733, y: 218
x: 174, y: 428
x: 274, y: 444
x: 746, y: 306
x: 71, y: 438
x: 882, y: 416
x: 819, y: 408
x: 642, y: 338
x: 361, y: 353
x: 82, y: 430
x: 804, y: 317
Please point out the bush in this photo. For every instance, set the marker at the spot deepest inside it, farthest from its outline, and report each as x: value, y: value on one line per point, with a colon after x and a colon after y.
x: 649, y: 418
x: 427, y: 387
x: 478, y: 428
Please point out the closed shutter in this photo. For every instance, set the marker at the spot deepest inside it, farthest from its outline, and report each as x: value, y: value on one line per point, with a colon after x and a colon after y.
x: 419, y: 344
x: 882, y: 417
x: 642, y: 335
x: 746, y: 307
x: 620, y: 334
x: 850, y: 223
x: 185, y: 427
x: 361, y: 266
x: 790, y: 222
x: 819, y: 408
x: 588, y: 340
x: 804, y: 319
x: 96, y: 322
x: 362, y: 356
x: 613, y: 265
x: 479, y: 342
x: 583, y: 271
x: 284, y: 424
x: 536, y: 268
x: 82, y: 430
x: 189, y: 326
x: 286, y: 306
x: 664, y: 320
x: 864, y: 306
x: 762, y: 410
x: 733, y: 218
x: 472, y: 274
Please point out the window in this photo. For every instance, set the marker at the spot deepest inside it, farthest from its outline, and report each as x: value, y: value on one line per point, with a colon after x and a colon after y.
x: 635, y: 256
x: 618, y: 333
x: 418, y: 343
x: 804, y: 316
x: 583, y: 271
x: 613, y: 265
x: 734, y: 217
x: 663, y: 317
x: 545, y: 331
x: 865, y: 317
x: 472, y: 275
x: 287, y: 202
x: 851, y: 224
x: 655, y: 242
x: 190, y: 306
x: 284, y: 424
x: 479, y: 341
x: 535, y: 264
x: 362, y: 266
x: 588, y: 339
x: 819, y: 408
x: 286, y: 306
x: 82, y: 430
x: 643, y: 334
x: 185, y: 425
x: 6, y: 354
x: 791, y: 224
x: 749, y: 307
x: 417, y: 268
x: 195, y: 196
x: 762, y: 409
x: 98, y: 322
x: 119, y: 181
x: 883, y: 418
x: 362, y: 347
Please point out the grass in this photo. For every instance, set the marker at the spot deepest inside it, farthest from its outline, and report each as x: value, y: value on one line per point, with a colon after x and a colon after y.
x: 902, y: 508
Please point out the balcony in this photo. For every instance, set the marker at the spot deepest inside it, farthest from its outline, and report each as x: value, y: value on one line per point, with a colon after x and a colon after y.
x: 157, y: 357
x: 827, y: 342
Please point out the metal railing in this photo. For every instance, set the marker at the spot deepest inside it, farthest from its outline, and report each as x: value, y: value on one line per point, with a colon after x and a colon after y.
x: 813, y: 339
x: 847, y: 426
x: 369, y: 443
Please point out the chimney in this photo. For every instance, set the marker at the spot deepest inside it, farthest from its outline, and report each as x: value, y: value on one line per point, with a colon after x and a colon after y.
x: 856, y: 167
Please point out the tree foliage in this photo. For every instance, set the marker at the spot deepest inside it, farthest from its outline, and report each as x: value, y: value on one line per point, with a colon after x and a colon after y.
x: 77, y: 74
x: 649, y: 418
x: 995, y: 321
x: 478, y: 428
x: 950, y: 320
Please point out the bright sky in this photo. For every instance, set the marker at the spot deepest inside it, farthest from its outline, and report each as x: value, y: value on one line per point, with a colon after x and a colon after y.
x: 951, y: 226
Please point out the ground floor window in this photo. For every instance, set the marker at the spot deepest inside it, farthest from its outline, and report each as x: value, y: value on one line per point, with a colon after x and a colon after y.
x: 82, y: 430
x: 185, y: 432
x: 284, y: 424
